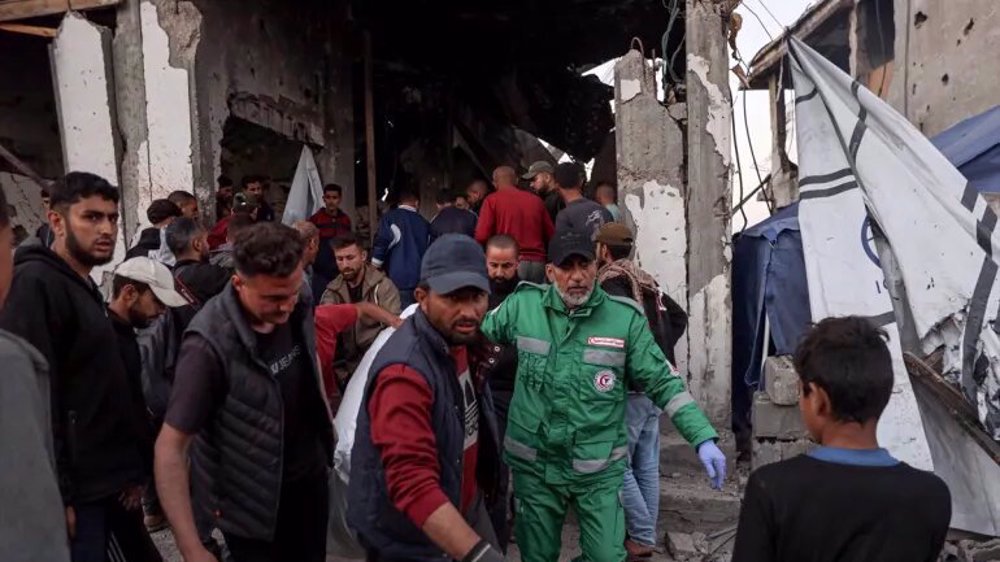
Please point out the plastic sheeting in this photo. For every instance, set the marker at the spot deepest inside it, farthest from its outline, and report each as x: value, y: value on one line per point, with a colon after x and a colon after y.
x: 973, y: 146
x: 306, y: 194
x: 341, y: 540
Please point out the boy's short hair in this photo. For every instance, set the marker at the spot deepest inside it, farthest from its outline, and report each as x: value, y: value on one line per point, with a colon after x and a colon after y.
x: 849, y: 359
x: 334, y: 188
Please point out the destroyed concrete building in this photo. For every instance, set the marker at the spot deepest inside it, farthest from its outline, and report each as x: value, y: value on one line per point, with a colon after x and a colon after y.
x: 158, y: 95
x: 930, y: 60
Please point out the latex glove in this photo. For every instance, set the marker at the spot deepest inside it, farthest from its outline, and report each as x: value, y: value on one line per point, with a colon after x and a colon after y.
x: 714, y: 462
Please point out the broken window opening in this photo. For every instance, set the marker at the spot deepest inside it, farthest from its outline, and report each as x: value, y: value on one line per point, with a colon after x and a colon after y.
x: 250, y: 149
x: 29, y: 127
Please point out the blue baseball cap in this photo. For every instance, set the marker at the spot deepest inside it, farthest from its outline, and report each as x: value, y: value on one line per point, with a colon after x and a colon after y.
x: 453, y: 262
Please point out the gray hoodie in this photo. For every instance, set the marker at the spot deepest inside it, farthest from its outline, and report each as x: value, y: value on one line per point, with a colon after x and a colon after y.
x: 32, y: 521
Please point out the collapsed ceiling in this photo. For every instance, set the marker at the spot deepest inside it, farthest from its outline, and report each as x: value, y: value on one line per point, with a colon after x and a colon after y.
x: 514, y: 62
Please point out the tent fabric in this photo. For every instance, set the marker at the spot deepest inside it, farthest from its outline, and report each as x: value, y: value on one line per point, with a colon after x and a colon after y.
x: 768, y: 278
x: 972, y: 145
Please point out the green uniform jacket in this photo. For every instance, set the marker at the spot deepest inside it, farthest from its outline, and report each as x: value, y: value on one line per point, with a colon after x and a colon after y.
x: 573, y: 372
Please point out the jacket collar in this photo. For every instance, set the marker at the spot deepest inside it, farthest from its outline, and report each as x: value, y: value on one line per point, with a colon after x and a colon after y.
x: 429, y: 333
x: 372, y: 278
x: 234, y: 310
x: 553, y: 301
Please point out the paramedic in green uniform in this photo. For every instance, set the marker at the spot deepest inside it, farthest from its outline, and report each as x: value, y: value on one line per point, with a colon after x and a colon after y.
x: 579, y: 351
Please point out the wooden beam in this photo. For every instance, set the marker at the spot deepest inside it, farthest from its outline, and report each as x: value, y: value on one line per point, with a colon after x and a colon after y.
x: 766, y: 61
x: 36, y: 30
x: 370, y: 138
x: 22, y: 9
x: 25, y: 169
x: 961, y: 411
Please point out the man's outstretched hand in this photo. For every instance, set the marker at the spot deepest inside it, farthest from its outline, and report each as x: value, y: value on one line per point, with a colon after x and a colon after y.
x: 714, y: 462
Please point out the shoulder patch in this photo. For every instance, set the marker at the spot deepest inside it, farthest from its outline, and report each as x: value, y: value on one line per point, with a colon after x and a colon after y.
x: 628, y: 302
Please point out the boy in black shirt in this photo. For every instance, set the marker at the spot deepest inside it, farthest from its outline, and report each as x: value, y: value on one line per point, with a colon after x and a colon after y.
x: 848, y: 500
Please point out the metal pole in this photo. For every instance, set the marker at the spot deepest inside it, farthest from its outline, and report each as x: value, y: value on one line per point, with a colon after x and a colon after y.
x: 370, y: 138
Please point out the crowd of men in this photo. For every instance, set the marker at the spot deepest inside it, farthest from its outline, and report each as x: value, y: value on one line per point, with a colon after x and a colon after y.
x: 528, y: 379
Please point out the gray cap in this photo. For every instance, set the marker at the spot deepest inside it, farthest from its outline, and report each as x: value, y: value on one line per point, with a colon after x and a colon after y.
x: 537, y: 168
x: 453, y: 262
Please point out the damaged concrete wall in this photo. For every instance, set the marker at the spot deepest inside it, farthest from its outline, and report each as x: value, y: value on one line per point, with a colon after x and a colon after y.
x: 650, y: 154
x: 154, y: 55
x: 25, y: 197
x: 946, y: 60
x: 270, y: 65
x: 84, y: 87
x: 709, y: 196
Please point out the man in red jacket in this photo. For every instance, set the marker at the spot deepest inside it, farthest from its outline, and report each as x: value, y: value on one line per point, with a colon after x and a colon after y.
x: 519, y: 214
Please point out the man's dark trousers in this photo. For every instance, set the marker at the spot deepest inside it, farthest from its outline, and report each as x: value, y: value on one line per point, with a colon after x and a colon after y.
x: 301, y: 529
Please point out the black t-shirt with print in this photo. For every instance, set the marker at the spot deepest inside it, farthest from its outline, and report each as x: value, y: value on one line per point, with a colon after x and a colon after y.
x: 285, y: 356
x: 200, y: 389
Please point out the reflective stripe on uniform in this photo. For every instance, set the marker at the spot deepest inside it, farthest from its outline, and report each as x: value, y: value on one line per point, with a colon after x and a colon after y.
x: 604, y: 357
x: 679, y: 400
x: 593, y: 466
x: 519, y: 450
x: 533, y: 345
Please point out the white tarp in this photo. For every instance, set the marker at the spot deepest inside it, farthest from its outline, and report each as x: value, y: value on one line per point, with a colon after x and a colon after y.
x: 341, y: 540
x: 306, y: 194
x: 842, y: 268
x: 860, y: 161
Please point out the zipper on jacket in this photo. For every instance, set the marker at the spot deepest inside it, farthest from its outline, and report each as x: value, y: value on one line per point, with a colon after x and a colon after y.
x: 71, y: 436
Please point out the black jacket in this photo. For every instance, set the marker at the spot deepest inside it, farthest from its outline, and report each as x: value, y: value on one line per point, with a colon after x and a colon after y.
x: 94, y: 423
x: 160, y: 343
x: 453, y: 220
x: 128, y: 346
x: 237, y: 457
x: 667, y: 322
x: 370, y: 511
x: 149, y: 241
x: 497, y: 362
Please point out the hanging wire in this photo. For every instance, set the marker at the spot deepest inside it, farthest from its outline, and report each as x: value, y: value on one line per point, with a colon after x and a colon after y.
x: 760, y: 21
x: 739, y: 173
x: 770, y: 13
x: 674, y: 79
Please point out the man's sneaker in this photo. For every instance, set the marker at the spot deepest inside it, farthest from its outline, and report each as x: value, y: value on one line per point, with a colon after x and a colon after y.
x: 636, y: 550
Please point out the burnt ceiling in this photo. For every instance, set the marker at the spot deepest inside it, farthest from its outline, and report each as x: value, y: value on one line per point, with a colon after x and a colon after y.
x: 515, y: 61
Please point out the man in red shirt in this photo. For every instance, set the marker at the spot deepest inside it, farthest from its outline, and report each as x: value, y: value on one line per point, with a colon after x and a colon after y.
x: 521, y: 215
x: 333, y: 320
x: 424, y: 464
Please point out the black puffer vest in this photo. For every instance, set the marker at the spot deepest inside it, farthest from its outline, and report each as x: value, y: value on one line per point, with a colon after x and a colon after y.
x: 370, y: 511
x: 237, y: 458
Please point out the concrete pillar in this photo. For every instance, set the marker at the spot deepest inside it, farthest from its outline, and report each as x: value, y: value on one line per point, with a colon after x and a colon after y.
x: 84, y: 91
x: 709, y: 207
x: 154, y: 57
x: 650, y: 154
